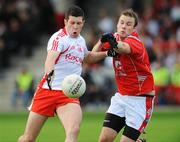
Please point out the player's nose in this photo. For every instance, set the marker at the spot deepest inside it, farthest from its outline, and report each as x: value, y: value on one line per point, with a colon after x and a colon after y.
x: 75, y: 26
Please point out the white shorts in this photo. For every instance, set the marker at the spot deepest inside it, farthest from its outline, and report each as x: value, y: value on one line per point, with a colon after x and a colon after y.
x: 137, y: 110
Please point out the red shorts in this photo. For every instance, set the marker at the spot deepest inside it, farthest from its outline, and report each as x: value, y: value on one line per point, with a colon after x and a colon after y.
x: 45, y: 102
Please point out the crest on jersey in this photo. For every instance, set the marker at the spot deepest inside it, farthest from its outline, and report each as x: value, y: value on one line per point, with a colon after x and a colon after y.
x: 119, y: 69
x: 118, y: 64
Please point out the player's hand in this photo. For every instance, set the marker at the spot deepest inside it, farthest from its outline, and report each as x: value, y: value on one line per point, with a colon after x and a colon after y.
x: 111, y: 53
x: 106, y: 37
x: 105, y: 46
x: 50, y: 77
x: 113, y: 43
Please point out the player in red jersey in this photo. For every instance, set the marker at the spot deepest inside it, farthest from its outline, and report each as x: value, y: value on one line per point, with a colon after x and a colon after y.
x: 132, y: 105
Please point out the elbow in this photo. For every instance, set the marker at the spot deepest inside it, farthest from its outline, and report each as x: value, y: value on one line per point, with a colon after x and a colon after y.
x: 128, y: 51
x: 89, y: 61
x: 125, y: 50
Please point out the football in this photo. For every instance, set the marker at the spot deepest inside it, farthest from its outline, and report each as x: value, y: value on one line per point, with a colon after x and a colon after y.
x: 73, y: 86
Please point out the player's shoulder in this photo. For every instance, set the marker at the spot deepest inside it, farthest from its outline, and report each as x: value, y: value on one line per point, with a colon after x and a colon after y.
x: 59, y: 35
x: 81, y: 38
x: 62, y: 33
x: 134, y: 36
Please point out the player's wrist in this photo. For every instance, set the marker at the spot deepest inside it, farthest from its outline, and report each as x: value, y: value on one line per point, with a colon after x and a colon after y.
x: 111, y: 53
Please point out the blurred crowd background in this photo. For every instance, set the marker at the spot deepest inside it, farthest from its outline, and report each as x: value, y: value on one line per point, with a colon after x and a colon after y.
x: 25, y: 24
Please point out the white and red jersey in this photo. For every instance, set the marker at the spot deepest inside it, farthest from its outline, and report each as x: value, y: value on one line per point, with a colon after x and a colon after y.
x: 132, y: 71
x: 71, y: 54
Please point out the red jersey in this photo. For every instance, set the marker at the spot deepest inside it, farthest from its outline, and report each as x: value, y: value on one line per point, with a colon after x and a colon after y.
x: 132, y: 71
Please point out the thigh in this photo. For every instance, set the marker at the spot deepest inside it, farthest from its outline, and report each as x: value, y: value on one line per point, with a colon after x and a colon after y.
x: 43, y: 102
x: 130, y: 134
x: 34, y: 124
x: 70, y: 115
x: 117, y: 106
x: 111, y: 127
x: 114, y: 122
x: 138, y: 112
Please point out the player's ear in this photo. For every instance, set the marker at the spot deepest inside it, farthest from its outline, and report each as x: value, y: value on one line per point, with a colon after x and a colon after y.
x: 83, y: 22
x: 65, y: 22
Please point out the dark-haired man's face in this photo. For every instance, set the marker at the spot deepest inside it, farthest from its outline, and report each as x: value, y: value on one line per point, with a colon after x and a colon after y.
x: 74, y: 25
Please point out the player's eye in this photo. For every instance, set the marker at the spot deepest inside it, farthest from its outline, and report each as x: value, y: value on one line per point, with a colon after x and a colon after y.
x: 79, y: 23
x: 129, y: 24
x: 72, y: 23
x: 121, y: 22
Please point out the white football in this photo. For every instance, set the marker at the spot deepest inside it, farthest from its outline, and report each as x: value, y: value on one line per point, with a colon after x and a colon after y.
x: 73, y: 86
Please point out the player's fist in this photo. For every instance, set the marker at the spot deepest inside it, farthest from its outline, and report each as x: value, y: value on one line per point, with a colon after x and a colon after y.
x: 109, y: 37
x: 113, y: 43
x: 106, y: 37
x: 105, y: 46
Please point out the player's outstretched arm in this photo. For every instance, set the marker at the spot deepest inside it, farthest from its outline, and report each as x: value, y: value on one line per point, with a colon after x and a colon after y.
x: 94, y: 57
x: 97, y: 46
x: 96, y: 54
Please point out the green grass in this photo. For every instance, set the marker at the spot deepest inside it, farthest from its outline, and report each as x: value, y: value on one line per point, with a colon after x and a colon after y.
x: 163, y: 127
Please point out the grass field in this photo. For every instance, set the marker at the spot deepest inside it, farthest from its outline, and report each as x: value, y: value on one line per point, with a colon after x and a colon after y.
x: 163, y: 127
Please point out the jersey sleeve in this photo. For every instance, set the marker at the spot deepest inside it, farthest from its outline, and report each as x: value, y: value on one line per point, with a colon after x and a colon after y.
x: 86, y: 52
x: 135, y: 44
x: 55, y: 44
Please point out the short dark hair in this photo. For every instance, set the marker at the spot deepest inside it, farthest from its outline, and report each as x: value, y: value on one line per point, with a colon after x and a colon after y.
x: 75, y: 11
x: 131, y: 13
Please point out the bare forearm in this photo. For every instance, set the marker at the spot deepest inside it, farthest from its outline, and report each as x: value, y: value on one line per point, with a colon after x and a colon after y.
x: 95, y: 57
x: 97, y: 47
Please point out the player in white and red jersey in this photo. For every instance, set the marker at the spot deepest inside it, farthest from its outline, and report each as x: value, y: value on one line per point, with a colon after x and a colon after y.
x: 66, y: 52
x: 131, y: 107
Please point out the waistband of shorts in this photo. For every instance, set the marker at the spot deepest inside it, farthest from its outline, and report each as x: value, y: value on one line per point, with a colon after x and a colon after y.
x: 146, y: 95
x: 150, y: 94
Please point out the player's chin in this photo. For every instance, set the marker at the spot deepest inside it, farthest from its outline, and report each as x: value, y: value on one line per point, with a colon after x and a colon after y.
x: 123, y: 34
x: 75, y: 34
